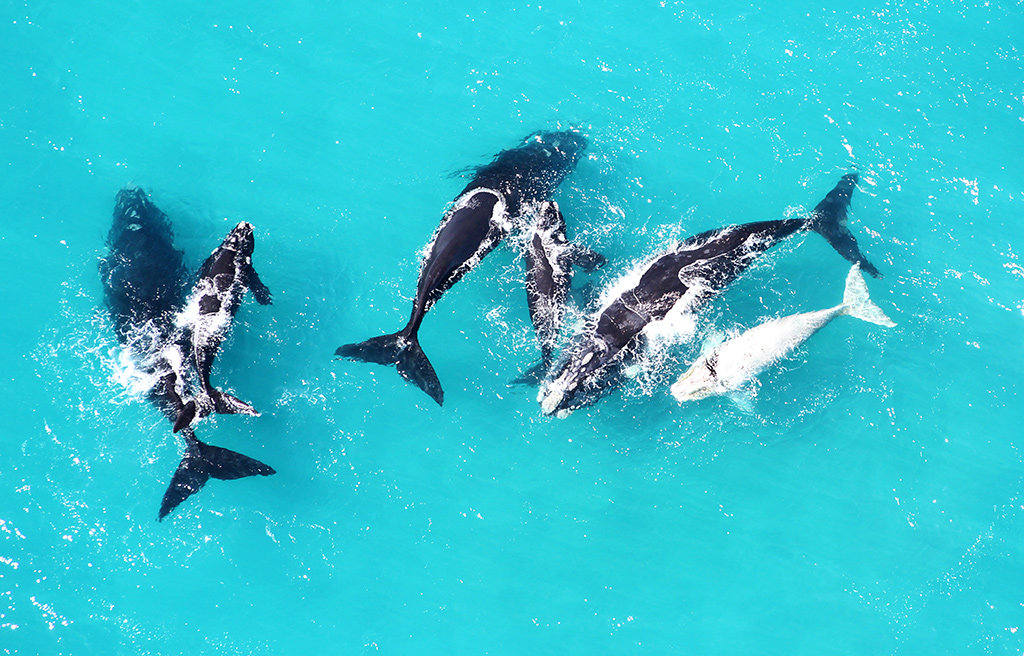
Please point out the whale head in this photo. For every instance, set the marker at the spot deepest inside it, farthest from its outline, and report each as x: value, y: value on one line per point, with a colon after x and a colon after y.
x: 240, y: 239
x: 579, y: 382
x: 698, y: 382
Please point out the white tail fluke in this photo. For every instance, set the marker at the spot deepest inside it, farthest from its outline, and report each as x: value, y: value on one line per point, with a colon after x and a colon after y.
x: 856, y: 302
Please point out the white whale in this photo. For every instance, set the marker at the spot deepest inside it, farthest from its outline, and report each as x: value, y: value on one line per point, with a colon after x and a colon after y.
x: 734, y: 363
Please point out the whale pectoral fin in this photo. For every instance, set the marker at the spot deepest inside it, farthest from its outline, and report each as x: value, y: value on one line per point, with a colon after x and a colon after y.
x: 185, y: 416
x: 203, y: 461
x: 227, y: 404
x: 587, y: 259
x: 532, y: 376
x: 743, y: 399
x: 259, y: 291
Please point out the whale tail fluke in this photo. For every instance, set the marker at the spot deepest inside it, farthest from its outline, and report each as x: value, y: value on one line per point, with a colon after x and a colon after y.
x: 857, y: 304
x: 202, y: 462
x: 403, y: 350
x: 829, y: 220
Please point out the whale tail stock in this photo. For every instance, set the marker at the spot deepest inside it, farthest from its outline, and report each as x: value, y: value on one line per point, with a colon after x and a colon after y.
x: 202, y: 462
x: 829, y: 220
x: 223, y: 403
x: 857, y: 304
x: 401, y: 349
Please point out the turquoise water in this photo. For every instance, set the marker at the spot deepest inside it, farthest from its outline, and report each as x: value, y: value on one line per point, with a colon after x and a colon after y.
x: 870, y: 502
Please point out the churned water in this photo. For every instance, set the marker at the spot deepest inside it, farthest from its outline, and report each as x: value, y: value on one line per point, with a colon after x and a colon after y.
x: 870, y: 500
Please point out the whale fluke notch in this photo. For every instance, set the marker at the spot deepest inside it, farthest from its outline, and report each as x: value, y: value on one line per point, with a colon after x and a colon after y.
x: 404, y: 352
x: 202, y: 462
x: 829, y: 220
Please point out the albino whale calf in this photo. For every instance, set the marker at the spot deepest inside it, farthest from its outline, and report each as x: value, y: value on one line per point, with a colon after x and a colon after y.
x: 737, y: 361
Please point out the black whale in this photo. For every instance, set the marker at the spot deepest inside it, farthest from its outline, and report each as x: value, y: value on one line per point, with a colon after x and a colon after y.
x: 482, y: 215
x: 144, y: 288
x: 690, y: 273
x: 208, y: 314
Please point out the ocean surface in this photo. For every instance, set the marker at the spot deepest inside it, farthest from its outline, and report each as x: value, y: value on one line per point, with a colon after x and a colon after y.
x: 869, y: 500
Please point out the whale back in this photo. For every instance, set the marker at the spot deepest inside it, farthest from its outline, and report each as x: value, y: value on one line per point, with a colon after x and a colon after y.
x: 143, y: 273
x: 531, y: 172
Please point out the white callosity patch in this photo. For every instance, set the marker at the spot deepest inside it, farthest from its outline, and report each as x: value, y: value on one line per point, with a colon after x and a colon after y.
x: 737, y: 361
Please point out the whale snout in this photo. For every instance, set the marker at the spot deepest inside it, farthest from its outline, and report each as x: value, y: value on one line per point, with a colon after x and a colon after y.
x: 241, y: 238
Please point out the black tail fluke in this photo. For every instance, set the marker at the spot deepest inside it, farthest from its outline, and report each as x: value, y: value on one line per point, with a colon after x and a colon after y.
x: 404, y: 352
x: 829, y: 220
x: 202, y: 462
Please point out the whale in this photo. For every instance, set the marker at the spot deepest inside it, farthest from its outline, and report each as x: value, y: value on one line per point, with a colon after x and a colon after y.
x: 207, y: 316
x: 144, y: 286
x: 737, y: 361
x: 549, y: 258
x: 685, y: 278
x: 481, y: 216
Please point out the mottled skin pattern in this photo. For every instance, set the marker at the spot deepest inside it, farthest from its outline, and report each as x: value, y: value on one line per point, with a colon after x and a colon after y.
x: 223, y: 279
x: 698, y: 268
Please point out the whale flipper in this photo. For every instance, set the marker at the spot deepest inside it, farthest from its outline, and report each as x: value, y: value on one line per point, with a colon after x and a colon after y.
x: 829, y: 220
x: 259, y: 291
x: 203, y: 461
x: 586, y: 259
x: 227, y: 404
x: 403, y: 351
x: 185, y: 415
